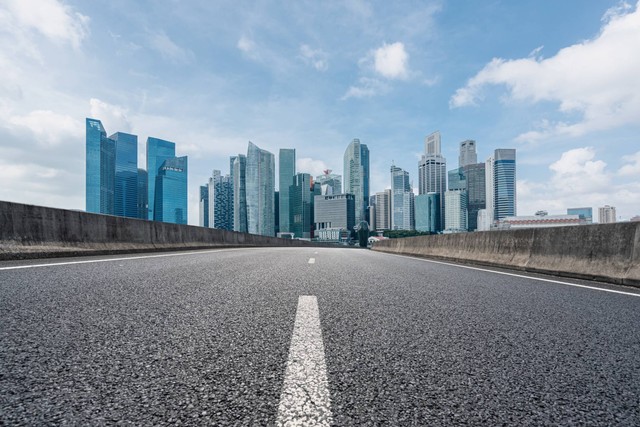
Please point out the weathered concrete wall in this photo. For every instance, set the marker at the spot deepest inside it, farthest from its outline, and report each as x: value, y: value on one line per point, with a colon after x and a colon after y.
x: 28, y: 231
x: 609, y: 252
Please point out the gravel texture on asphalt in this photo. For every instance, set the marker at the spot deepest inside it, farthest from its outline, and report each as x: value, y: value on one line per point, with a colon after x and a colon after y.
x: 203, y: 338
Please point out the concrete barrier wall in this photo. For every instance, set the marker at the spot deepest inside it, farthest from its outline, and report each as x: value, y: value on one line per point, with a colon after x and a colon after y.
x: 28, y: 231
x: 609, y: 252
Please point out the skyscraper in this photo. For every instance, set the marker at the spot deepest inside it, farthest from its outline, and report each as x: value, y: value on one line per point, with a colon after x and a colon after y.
x: 456, y: 211
x: 158, y: 151
x: 401, y: 208
x: 126, y: 175
x: 383, y: 210
x: 171, y: 191
x: 240, y: 194
x: 334, y: 211
x: 504, y: 183
x: 432, y: 172
x: 476, y: 192
x: 143, y: 184
x: 287, y: 170
x: 356, y: 176
x: 427, y: 212
x: 204, y: 206
x: 100, y: 172
x: 260, y: 183
x: 468, y: 155
x: 490, y: 189
x: 331, y: 183
x: 300, y: 205
x: 221, y: 213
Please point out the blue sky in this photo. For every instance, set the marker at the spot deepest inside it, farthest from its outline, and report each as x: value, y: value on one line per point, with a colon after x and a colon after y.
x: 558, y: 81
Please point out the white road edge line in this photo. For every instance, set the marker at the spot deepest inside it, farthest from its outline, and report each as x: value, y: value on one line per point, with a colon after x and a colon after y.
x: 518, y: 275
x: 312, y: 260
x: 17, y: 267
x: 305, y: 399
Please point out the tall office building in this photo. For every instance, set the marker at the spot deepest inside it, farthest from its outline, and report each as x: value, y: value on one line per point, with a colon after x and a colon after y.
x: 143, y: 184
x: 260, y: 183
x: 331, y: 183
x: 158, y: 151
x: 476, y: 192
x: 504, y: 178
x: 468, y: 155
x: 287, y: 163
x: 204, y: 206
x: 171, y: 191
x: 456, y: 211
x: 490, y: 189
x: 334, y: 211
x: 583, y: 213
x: 221, y: 201
x: 300, y: 205
x: 126, y: 175
x: 356, y: 176
x: 100, y: 172
x: 383, y: 210
x: 607, y: 214
x: 432, y: 172
x: 240, y: 193
x: 401, y: 208
x: 427, y: 212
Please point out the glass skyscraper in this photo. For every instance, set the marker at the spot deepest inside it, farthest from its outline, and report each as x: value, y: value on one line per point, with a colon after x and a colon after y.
x: 204, y: 206
x: 400, y: 205
x: 427, y: 208
x: 143, y: 185
x: 300, y: 205
x: 240, y: 193
x: 126, y: 175
x: 221, y: 201
x: 356, y: 176
x: 287, y: 163
x: 504, y: 183
x: 432, y: 172
x: 171, y: 191
x: 260, y: 183
x: 158, y: 151
x: 100, y: 172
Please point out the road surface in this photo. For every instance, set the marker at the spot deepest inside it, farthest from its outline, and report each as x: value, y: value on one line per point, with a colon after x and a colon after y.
x: 317, y: 336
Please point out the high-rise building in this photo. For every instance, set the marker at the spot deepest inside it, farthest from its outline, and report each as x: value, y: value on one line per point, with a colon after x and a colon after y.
x: 457, y: 180
x: 583, y: 213
x: 427, y: 212
x: 126, y: 175
x: 356, y: 176
x: 476, y: 192
x: 383, y: 210
x: 300, y: 205
x: 401, y: 209
x: 504, y: 177
x: 607, y: 214
x: 171, y: 191
x: 456, y: 211
x: 158, y: 151
x: 221, y: 201
x: 287, y: 170
x: 468, y: 155
x: 260, y: 183
x: 432, y: 172
x: 204, y: 206
x: 143, y: 184
x: 335, y: 211
x: 331, y: 183
x: 100, y: 172
x: 240, y: 193
x: 490, y: 189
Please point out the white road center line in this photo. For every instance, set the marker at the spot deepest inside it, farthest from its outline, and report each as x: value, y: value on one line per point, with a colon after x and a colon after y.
x: 305, y: 399
x: 312, y: 260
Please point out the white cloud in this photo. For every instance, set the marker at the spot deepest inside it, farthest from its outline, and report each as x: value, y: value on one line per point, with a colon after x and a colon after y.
x: 246, y: 45
x: 49, y: 128
x: 366, y: 88
x: 391, y: 61
x: 113, y: 117
x: 168, y: 49
x: 632, y: 166
x: 317, y: 58
x: 578, y: 172
x: 311, y: 166
x: 598, y: 79
x: 51, y: 18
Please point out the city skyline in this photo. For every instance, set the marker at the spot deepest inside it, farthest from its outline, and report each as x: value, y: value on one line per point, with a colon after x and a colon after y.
x: 404, y: 73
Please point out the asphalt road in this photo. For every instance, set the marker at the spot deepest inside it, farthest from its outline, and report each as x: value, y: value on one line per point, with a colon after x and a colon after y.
x: 204, y: 338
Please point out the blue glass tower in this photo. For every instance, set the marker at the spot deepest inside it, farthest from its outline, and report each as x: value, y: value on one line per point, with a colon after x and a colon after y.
x: 100, y: 173
x: 504, y: 182
x: 171, y: 191
x: 260, y: 183
x: 126, y: 178
x: 287, y: 160
x: 240, y: 193
x: 158, y: 151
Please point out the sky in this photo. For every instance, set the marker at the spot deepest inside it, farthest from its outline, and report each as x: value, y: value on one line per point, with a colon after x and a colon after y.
x: 559, y: 81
